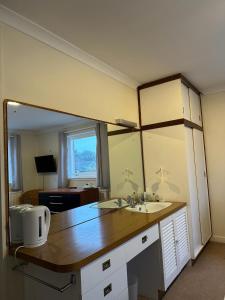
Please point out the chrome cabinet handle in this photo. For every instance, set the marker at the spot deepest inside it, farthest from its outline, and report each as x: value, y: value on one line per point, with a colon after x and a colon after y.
x: 108, y: 289
x: 55, y: 196
x: 106, y: 265
x: 144, y: 239
x: 56, y: 203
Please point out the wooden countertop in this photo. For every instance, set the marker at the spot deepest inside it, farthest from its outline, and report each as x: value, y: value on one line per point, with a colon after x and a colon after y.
x: 69, y: 249
x: 76, y: 216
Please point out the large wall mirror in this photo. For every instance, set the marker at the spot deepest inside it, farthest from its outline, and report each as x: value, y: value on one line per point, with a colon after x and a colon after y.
x: 65, y: 161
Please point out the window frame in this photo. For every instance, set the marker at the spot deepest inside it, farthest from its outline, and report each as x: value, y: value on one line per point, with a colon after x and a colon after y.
x: 79, y: 134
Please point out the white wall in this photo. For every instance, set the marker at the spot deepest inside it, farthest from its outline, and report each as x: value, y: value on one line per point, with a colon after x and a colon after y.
x: 165, y: 148
x: 213, y: 107
x: 33, y: 72
x: 38, y: 74
x: 125, y: 164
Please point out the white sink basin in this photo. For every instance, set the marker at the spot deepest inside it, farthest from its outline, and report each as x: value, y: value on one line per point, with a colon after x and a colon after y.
x: 109, y: 204
x: 149, y: 207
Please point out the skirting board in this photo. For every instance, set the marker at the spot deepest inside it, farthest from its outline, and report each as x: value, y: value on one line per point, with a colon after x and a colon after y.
x: 218, y: 239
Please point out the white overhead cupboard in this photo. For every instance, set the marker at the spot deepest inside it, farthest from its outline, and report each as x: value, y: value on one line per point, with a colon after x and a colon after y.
x: 174, y: 156
x: 168, y: 101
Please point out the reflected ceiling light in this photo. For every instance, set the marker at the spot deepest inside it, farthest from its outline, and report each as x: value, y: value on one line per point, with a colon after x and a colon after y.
x: 125, y: 123
x: 14, y: 103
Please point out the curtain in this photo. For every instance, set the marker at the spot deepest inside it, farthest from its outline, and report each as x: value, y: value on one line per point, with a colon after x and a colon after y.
x: 15, y: 165
x: 103, y: 175
x: 62, y: 161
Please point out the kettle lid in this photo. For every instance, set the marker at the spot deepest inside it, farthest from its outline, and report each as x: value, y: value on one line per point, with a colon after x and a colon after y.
x: 36, y: 208
x: 18, y: 208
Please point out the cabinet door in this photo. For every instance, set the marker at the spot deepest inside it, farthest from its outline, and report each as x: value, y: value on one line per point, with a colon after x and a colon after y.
x: 186, y: 103
x: 110, y: 287
x: 170, y: 264
x: 195, y: 105
x: 181, y: 240
x: 202, y: 187
x: 193, y: 207
x: 161, y: 102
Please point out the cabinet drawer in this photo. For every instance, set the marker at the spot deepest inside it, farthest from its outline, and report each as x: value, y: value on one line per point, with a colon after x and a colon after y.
x: 137, y: 244
x: 102, y: 267
x: 58, y: 197
x: 59, y: 206
x: 109, y: 288
x: 59, y: 202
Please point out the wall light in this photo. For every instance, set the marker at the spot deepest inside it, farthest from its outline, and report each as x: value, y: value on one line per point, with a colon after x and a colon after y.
x: 12, y: 103
x: 125, y: 123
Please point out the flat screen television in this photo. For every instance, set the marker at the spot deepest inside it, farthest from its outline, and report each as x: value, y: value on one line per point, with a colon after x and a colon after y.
x: 45, y: 164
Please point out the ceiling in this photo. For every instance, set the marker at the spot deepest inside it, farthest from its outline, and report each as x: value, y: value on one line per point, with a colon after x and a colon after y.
x: 25, y: 117
x: 146, y: 39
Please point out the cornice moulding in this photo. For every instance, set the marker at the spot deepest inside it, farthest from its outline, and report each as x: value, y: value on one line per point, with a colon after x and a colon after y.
x: 34, y: 30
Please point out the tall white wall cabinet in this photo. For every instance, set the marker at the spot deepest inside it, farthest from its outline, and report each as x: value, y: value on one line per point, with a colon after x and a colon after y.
x: 173, y: 151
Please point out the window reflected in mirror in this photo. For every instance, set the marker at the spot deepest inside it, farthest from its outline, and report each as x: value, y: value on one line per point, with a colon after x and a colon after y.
x: 81, y: 154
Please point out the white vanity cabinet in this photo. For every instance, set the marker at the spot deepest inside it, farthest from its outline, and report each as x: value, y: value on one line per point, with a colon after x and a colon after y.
x: 174, y: 245
x: 140, y: 242
x: 105, y: 278
x: 169, y: 101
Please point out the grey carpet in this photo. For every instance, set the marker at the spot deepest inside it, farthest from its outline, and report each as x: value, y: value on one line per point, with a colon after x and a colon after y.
x: 205, y: 280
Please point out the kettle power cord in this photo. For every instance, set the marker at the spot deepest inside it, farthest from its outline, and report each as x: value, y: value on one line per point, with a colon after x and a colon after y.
x: 15, y: 253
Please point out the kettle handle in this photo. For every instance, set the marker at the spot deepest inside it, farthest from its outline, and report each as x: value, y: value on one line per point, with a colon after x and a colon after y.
x: 47, y: 220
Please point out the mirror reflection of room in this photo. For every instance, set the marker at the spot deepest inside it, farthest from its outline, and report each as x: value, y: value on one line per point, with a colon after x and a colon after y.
x: 125, y: 163
x: 52, y: 156
x: 63, y: 161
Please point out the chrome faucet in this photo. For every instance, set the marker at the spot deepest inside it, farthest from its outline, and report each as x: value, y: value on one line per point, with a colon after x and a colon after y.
x: 131, y: 201
x: 118, y: 202
x: 141, y: 199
